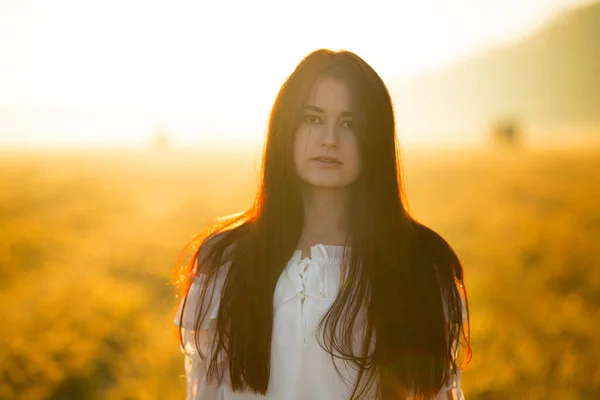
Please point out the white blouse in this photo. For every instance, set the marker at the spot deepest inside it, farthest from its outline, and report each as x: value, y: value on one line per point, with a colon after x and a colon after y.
x: 300, y: 368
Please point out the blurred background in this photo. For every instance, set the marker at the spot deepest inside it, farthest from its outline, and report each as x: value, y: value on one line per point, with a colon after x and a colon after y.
x: 126, y: 126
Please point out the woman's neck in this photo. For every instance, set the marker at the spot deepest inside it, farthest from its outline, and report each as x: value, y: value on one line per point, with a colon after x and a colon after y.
x: 326, y: 212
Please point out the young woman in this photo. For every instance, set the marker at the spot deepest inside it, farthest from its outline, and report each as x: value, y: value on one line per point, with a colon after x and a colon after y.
x: 325, y: 287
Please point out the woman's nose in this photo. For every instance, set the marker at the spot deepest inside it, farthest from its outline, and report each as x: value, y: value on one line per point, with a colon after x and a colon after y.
x: 329, y: 136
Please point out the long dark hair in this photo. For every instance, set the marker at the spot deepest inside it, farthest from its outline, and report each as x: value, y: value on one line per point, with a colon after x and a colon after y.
x: 402, y: 276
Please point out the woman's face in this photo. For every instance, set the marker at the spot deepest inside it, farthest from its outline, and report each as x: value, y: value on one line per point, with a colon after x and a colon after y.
x: 326, y: 151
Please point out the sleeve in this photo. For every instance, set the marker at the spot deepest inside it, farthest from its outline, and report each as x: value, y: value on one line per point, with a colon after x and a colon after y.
x: 194, y: 366
x: 453, y: 390
x: 185, y: 318
x: 464, y: 310
x: 189, y: 307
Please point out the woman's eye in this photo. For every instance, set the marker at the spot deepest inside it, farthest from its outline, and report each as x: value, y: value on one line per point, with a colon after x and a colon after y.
x: 348, y: 124
x: 311, y: 119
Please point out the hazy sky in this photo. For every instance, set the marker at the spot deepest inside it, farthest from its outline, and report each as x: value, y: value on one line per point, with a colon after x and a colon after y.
x: 111, y: 71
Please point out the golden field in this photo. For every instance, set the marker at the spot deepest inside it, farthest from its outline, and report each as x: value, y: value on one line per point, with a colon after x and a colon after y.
x: 89, y: 242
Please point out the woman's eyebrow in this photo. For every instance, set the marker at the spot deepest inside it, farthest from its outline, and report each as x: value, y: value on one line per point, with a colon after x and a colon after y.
x: 309, y: 107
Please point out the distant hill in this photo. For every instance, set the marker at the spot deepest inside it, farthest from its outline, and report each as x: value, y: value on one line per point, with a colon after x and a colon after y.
x: 550, y: 81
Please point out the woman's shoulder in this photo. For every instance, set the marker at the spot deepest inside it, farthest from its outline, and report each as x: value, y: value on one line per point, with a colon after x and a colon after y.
x: 204, y: 292
x: 436, y: 249
x: 428, y: 236
x: 447, y: 266
x: 215, y: 251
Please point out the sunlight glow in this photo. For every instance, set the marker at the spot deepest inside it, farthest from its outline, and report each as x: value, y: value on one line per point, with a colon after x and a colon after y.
x: 90, y: 72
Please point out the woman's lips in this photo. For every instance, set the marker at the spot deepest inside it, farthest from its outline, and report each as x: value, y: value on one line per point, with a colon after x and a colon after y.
x: 326, y: 160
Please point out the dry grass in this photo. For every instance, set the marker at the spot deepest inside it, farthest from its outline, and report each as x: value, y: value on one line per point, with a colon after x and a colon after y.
x: 89, y: 242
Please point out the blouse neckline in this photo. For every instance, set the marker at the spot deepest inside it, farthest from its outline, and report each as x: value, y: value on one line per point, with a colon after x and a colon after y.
x: 321, y: 251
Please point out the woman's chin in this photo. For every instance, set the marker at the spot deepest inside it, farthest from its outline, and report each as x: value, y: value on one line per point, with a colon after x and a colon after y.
x: 326, y: 183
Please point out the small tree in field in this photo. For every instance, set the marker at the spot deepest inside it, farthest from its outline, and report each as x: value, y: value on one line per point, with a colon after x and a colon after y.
x: 160, y: 140
x: 506, y: 133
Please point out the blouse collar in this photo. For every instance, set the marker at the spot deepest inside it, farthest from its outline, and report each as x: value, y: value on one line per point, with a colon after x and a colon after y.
x: 320, y: 256
x: 322, y: 252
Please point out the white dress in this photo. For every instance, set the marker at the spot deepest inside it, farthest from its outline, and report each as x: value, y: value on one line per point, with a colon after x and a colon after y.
x: 300, y: 368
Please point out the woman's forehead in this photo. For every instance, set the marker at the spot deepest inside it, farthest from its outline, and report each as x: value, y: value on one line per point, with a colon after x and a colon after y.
x: 330, y: 94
